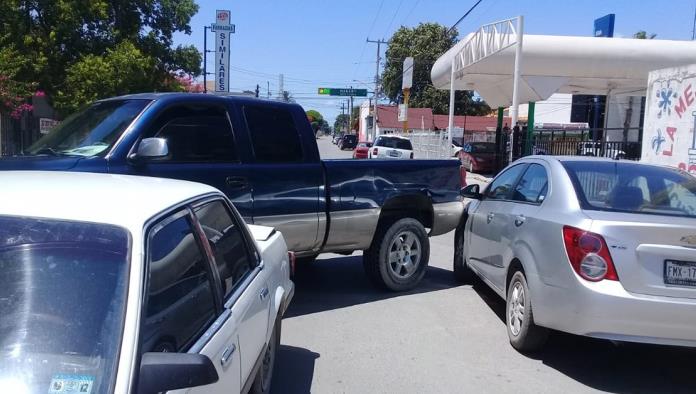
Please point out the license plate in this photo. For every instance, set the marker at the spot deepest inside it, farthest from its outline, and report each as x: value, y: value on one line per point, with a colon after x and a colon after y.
x: 393, y: 153
x: 681, y: 273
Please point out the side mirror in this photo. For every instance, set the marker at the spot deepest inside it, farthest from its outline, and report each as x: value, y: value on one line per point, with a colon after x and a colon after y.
x: 151, y: 148
x: 170, y: 371
x: 472, y: 191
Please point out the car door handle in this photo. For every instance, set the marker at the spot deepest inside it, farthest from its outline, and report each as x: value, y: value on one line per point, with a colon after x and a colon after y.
x: 236, y: 182
x: 519, y: 220
x: 264, y: 293
x: 490, y: 217
x: 227, y: 354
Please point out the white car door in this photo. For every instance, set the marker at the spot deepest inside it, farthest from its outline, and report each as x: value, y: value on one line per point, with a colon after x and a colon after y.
x: 243, y: 280
x: 183, y: 312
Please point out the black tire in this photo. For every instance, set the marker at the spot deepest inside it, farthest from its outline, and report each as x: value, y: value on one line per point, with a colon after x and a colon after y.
x: 407, y: 273
x: 264, y: 376
x: 462, y: 272
x: 529, y: 337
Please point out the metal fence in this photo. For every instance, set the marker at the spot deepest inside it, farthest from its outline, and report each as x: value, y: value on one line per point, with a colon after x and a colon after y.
x: 429, y: 145
x: 586, y: 142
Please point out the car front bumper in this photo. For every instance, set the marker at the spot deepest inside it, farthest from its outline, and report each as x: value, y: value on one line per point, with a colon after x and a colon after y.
x: 606, y: 310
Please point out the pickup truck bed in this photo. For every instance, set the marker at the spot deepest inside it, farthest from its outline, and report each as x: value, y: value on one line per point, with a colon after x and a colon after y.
x: 263, y: 156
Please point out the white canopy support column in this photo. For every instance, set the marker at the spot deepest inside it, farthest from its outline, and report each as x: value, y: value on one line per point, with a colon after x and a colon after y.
x: 450, y: 122
x: 514, y: 110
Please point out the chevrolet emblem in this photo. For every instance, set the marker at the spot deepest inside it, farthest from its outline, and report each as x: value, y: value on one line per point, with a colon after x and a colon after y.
x: 689, y: 239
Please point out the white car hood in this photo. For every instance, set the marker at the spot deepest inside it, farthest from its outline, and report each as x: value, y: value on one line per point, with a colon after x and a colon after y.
x: 260, y: 233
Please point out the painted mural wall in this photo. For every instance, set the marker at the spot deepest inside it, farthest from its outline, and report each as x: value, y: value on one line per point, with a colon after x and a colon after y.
x: 670, y: 118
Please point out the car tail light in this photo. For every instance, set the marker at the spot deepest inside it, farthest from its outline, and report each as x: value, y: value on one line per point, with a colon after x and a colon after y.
x: 293, y: 262
x: 412, y: 155
x: 374, y: 152
x: 588, y: 254
x: 462, y: 176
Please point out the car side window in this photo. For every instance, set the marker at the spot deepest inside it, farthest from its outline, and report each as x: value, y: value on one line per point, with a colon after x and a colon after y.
x: 274, y: 137
x: 502, y: 185
x: 197, y: 134
x: 180, y: 302
x: 533, y: 185
x: 234, y: 260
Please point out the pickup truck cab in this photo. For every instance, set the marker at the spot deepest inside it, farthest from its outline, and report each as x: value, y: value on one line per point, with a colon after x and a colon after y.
x: 107, y: 287
x: 263, y: 155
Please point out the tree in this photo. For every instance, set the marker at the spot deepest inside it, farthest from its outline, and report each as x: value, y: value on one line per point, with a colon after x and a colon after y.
x: 643, y: 35
x: 341, y: 122
x: 315, y: 119
x: 14, y: 94
x: 62, y: 39
x: 425, y: 43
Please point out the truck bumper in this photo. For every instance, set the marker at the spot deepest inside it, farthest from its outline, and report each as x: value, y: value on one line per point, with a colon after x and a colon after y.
x: 446, y: 217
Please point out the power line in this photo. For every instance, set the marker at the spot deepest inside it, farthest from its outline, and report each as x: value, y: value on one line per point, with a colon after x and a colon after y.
x: 464, y: 16
x: 392, y: 19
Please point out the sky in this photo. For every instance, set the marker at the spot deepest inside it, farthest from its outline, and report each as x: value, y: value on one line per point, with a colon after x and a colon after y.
x: 322, y: 43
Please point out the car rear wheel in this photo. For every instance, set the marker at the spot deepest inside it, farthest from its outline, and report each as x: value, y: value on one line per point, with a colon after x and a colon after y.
x: 398, y: 257
x: 524, y: 334
x: 264, y: 376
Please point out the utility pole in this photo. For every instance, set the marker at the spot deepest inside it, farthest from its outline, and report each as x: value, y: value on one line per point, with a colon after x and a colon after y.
x: 257, y: 90
x: 693, y: 29
x: 343, y: 113
x: 374, y: 111
x: 350, y: 116
x: 281, y: 88
x: 268, y: 89
x: 205, y: 59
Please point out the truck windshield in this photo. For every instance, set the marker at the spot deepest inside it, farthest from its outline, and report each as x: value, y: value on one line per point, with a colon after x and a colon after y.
x: 62, y: 298
x: 393, y: 142
x: 90, y: 132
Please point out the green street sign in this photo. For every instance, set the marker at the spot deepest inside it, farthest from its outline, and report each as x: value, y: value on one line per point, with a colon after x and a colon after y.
x: 343, y: 92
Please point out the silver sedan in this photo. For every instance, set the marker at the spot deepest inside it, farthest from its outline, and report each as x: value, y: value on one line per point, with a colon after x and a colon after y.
x: 589, y: 246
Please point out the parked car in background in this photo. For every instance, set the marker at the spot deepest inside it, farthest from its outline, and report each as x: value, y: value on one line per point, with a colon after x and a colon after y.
x: 361, y: 150
x: 456, y: 148
x: 391, y: 147
x: 595, y: 148
x: 337, y: 138
x: 588, y: 246
x: 264, y: 156
x: 113, y: 287
x: 478, y: 157
x: 349, y: 141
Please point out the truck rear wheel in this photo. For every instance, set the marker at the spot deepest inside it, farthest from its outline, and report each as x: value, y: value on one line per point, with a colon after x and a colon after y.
x: 398, y: 257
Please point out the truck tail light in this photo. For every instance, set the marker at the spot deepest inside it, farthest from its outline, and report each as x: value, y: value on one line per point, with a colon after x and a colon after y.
x: 293, y: 262
x: 374, y: 152
x: 411, y: 155
x: 588, y: 255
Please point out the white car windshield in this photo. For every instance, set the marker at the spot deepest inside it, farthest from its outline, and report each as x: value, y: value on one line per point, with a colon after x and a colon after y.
x: 62, y: 298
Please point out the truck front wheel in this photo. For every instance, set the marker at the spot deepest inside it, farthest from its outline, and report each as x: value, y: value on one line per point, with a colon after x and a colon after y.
x: 398, y: 257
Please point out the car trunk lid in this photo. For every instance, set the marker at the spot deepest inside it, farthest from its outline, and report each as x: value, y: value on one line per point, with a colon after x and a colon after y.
x: 653, y: 254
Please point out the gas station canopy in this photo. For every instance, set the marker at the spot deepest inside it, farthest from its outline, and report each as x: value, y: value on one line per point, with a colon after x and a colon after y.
x: 484, y: 62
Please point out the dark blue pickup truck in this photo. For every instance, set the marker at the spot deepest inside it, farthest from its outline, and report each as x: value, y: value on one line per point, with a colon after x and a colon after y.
x: 264, y: 156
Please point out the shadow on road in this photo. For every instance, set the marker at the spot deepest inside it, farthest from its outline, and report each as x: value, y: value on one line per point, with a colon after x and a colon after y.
x: 294, y: 370
x: 607, y: 366
x: 341, y: 282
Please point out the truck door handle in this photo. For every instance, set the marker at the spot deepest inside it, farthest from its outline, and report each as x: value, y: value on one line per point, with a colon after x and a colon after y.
x: 236, y: 182
x: 490, y: 217
x: 519, y: 220
x: 227, y: 354
x: 264, y: 293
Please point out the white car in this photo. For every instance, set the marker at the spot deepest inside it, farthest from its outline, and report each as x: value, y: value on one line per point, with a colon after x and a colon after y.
x: 117, y: 284
x: 391, y: 147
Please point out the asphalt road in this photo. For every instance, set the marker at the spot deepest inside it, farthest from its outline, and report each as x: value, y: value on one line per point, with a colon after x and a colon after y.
x: 341, y: 335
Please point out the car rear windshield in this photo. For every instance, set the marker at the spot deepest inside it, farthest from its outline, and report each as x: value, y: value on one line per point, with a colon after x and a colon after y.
x: 480, y: 147
x: 635, y: 188
x: 62, y: 296
x: 365, y: 145
x: 395, y: 143
x: 350, y: 138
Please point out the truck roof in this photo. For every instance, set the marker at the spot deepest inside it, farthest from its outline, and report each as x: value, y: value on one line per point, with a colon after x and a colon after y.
x: 179, y: 96
x: 123, y: 200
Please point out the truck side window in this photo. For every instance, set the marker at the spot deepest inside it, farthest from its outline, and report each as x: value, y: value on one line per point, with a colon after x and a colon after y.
x: 180, y: 303
x: 273, y: 134
x: 197, y: 134
x: 234, y: 260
